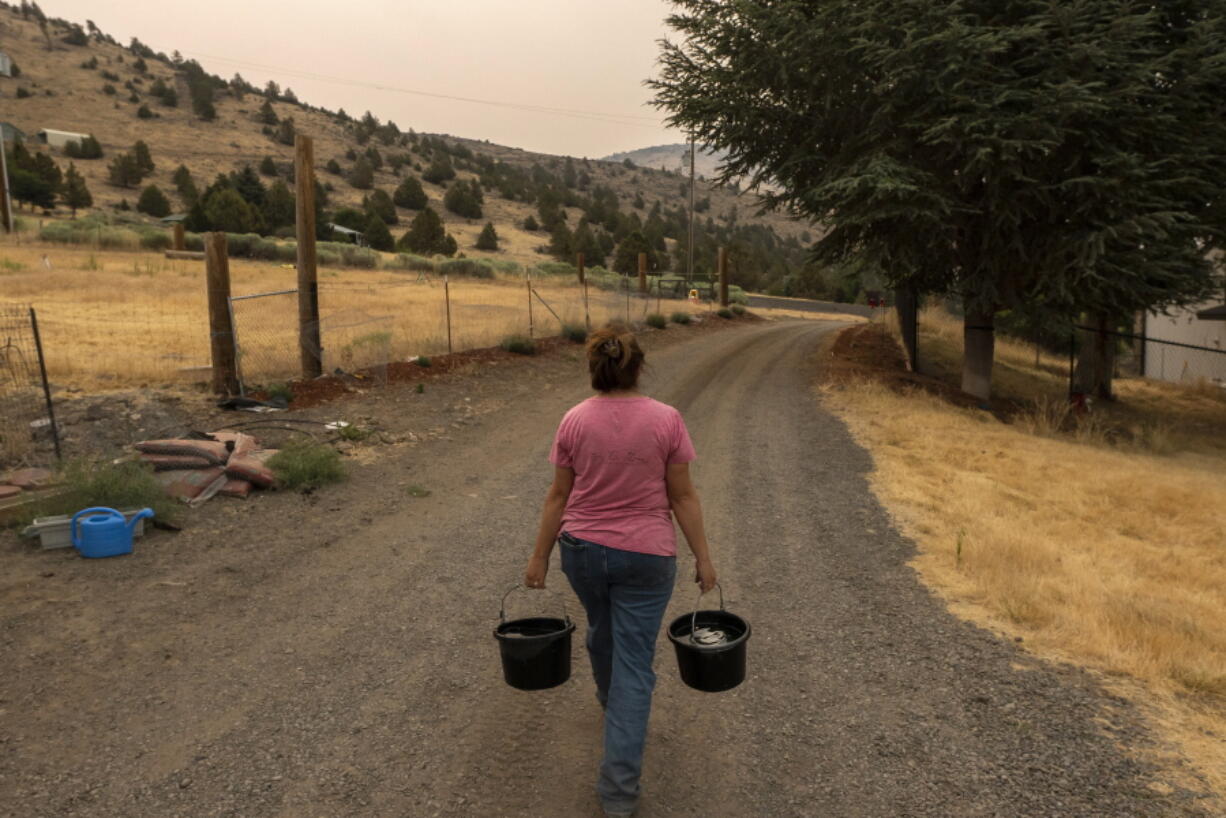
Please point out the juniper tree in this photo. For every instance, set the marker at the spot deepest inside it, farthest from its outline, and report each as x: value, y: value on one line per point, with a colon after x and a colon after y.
x: 409, y: 194
x: 377, y: 235
x: 74, y: 192
x: 488, y: 240
x: 144, y: 159
x: 1007, y: 154
x: 153, y: 202
x: 426, y: 235
x: 363, y: 175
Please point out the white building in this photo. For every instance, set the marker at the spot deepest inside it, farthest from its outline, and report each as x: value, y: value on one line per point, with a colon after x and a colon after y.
x: 1200, y: 326
x: 6, y: 65
x: 58, y: 139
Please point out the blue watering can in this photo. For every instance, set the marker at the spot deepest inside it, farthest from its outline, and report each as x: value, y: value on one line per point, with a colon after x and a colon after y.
x: 104, y: 532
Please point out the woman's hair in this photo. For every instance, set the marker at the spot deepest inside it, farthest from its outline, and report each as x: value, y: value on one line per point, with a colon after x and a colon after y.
x: 614, y: 358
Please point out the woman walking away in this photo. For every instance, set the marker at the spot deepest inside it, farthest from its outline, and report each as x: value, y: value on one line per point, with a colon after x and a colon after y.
x: 621, y: 470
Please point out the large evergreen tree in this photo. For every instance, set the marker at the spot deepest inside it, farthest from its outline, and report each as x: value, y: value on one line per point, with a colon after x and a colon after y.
x: 488, y: 240
x: 1004, y: 153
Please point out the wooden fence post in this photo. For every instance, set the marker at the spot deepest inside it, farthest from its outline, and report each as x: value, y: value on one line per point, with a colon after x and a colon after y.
x: 221, y: 328
x: 579, y: 264
x: 310, y: 347
x: 643, y: 273
x: 723, y: 276
x: 180, y: 239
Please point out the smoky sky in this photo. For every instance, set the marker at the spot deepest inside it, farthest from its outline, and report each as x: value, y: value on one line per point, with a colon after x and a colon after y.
x: 537, y: 57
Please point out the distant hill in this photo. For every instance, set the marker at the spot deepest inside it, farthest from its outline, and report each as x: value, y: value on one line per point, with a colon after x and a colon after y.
x: 675, y: 158
x: 70, y: 79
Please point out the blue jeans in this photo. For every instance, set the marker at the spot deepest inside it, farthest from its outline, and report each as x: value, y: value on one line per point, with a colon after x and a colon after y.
x: 624, y: 594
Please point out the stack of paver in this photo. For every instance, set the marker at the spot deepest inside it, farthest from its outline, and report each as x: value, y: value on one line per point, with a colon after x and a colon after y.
x: 195, y: 471
x: 23, y: 480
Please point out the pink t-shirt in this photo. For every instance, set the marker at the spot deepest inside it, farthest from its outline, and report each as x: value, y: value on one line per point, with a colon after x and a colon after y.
x: 620, y: 449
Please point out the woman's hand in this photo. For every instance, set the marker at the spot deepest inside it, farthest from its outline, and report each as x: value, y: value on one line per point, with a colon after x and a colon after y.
x: 538, y: 567
x: 704, y: 575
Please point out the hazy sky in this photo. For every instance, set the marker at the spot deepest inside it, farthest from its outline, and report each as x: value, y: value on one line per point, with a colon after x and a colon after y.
x: 578, y: 55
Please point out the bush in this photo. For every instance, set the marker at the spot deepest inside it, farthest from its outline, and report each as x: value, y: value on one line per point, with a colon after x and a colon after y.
x: 519, y: 345
x: 724, y: 312
x: 23, y: 93
x: 737, y: 309
x: 471, y: 267
x: 143, y: 112
x: 682, y: 318
x: 556, y: 268
x: 348, y: 255
x: 305, y: 465
x: 488, y: 240
x: 114, y: 485
x: 411, y: 262
x: 574, y: 332
x: 423, y: 361
x: 657, y: 321
x: 156, y: 241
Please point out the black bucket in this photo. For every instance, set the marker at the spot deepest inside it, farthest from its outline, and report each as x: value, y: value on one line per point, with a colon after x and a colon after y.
x: 535, y: 651
x: 710, y: 668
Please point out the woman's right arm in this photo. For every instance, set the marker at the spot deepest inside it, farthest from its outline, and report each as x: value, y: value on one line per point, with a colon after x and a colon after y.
x: 683, y: 498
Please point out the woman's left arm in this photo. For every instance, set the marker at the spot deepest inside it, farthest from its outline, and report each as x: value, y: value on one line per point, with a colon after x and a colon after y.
x: 551, y: 522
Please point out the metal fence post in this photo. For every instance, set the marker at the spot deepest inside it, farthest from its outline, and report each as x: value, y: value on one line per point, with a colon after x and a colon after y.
x: 531, y: 328
x: 42, y: 371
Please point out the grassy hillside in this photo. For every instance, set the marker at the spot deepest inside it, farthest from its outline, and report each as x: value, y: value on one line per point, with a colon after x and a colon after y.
x: 66, y: 86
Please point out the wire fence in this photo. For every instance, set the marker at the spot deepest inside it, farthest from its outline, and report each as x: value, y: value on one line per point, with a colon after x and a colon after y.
x: 938, y: 346
x: 365, y: 328
x: 26, y: 414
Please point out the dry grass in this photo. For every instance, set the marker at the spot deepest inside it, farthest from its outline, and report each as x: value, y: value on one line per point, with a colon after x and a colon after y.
x: 115, y: 318
x: 1103, y: 549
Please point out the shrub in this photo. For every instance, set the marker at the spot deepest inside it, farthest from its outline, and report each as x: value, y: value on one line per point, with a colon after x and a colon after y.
x: 737, y: 309
x: 471, y: 267
x: 377, y: 236
x: 414, y: 263
x: 423, y: 361
x: 574, y: 332
x: 268, y: 167
x: 305, y: 465
x: 348, y: 255
x: 23, y: 93
x: 682, y: 318
x: 519, y: 345
x: 156, y: 241
x: 333, y: 167
x: 463, y: 199
x: 143, y: 112
x: 556, y: 268
x: 107, y: 89
x: 124, y: 486
x: 724, y: 312
x: 657, y: 321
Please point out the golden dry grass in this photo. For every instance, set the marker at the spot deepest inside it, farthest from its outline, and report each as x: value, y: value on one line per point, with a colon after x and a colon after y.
x: 120, y: 318
x: 1111, y: 556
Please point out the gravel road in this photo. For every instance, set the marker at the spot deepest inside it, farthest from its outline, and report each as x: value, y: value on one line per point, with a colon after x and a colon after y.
x: 770, y: 302
x: 332, y: 655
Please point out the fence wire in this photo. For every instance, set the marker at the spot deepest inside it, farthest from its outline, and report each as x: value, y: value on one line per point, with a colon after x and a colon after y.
x: 24, y: 415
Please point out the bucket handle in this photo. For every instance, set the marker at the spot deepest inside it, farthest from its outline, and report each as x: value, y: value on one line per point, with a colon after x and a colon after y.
x: 502, y: 611
x: 694, y: 616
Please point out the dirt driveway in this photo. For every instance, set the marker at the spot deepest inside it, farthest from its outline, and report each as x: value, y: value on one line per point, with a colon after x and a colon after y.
x: 332, y: 655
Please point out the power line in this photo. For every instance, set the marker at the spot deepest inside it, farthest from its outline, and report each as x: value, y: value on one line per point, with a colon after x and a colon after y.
x: 631, y: 120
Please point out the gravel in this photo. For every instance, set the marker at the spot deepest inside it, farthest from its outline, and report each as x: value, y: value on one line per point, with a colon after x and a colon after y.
x: 332, y: 654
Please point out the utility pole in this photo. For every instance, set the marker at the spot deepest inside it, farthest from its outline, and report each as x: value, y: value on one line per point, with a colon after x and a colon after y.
x: 6, y: 203
x: 689, y: 264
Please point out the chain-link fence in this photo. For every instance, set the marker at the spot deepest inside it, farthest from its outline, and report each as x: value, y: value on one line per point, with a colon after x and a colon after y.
x: 25, y: 408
